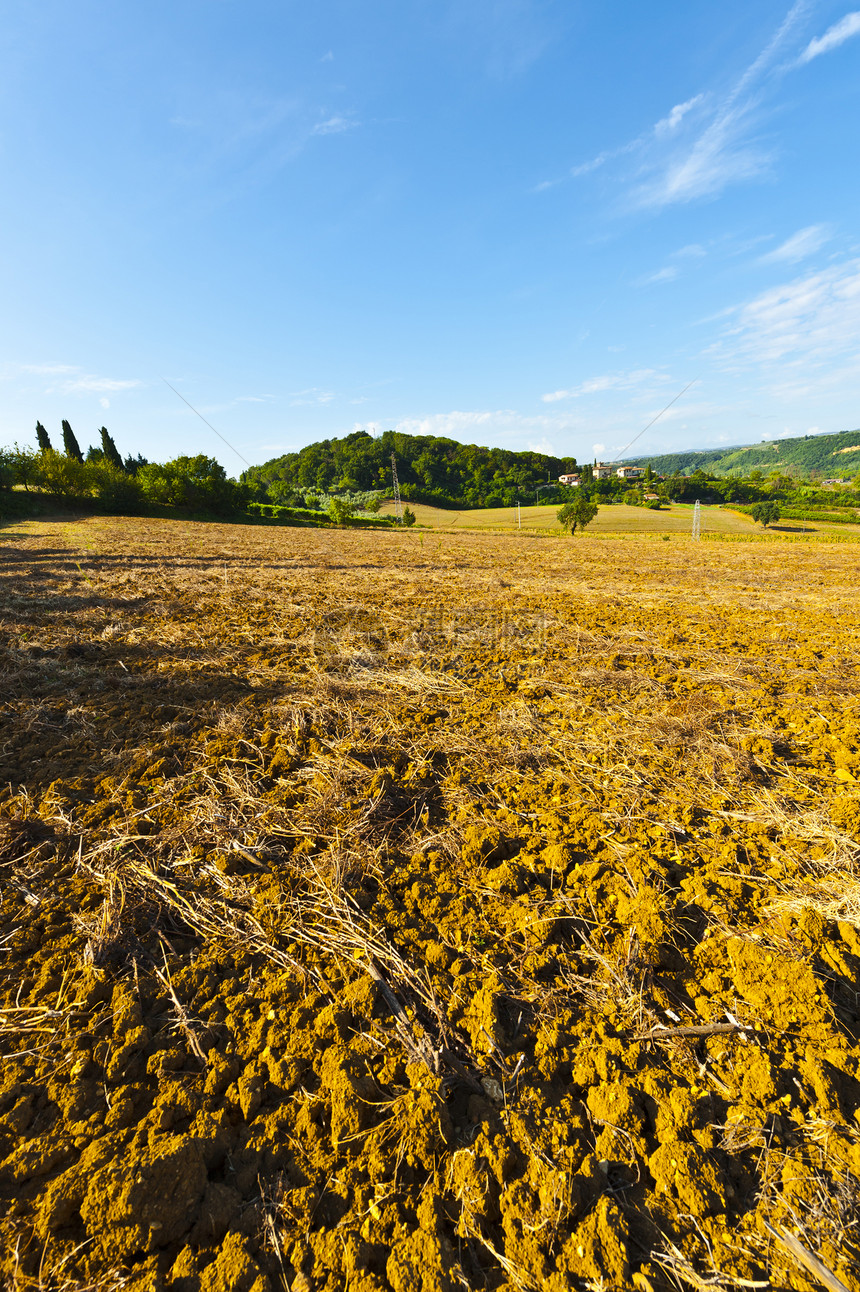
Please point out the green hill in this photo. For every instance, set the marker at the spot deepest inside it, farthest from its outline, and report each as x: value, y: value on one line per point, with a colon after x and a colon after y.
x: 828, y: 456
x: 430, y: 468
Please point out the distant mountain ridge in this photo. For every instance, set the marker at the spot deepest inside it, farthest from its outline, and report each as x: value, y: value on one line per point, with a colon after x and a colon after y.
x: 831, y: 455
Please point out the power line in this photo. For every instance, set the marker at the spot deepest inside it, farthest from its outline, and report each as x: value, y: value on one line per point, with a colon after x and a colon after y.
x: 209, y: 424
x: 398, y: 509
x: 620, y: 456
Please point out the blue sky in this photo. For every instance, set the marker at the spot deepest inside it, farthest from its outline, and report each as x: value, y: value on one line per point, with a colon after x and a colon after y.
x: 527, y: 223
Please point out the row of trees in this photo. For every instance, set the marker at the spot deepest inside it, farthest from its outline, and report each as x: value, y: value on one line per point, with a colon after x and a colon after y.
x: 196, y: 484
x: 108, y: 452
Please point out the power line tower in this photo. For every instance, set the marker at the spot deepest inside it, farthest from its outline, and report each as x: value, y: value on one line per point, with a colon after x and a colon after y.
x: 398, y: 506
x: 697, y: 520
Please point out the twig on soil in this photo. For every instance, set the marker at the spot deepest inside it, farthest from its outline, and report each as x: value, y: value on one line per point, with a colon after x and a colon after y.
x: 705, y: 1029
x: 181, y: 1013
x: 806, y: 1260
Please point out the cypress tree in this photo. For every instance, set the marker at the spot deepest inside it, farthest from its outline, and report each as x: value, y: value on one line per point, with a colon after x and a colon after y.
x: 70, y: 443
x: 43, y: 438
x: 110, y: 450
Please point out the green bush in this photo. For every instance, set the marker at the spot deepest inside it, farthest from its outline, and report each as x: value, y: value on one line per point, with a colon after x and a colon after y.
x: 339, y: 511
x: 193, y: 483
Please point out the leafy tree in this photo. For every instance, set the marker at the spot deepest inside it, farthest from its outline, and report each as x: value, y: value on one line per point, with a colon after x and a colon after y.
x: 20, y: 466
x: 580, y: 512
x: 339, y: 511
x: 62, y: 474
x: 766, y: 513
x: 110, y: 450
x: 95, y: 454
x: 132, y: 465
x: 649, y: 474
x: 408, y: 516
x: 70, y: 443
x: 194, y: 483
x: 43, y: 438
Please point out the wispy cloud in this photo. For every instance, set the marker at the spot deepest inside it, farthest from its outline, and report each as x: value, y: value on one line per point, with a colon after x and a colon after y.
x: 811, y: 324
x: 68, y: 378
x: 834, y: 36
x: 676, y: 116
x: 664, y: 275
x: 87, y: 385
x: 11, y: 370
x: 334, y: 126
x: 800, y: 245
x: 609, y: 154
x: 710, y: 140
x: 485, y: 426
x: 313, y: 395
x: 607, y: 381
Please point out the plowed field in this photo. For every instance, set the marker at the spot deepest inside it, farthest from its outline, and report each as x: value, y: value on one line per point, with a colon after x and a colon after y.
x: 401, y: 911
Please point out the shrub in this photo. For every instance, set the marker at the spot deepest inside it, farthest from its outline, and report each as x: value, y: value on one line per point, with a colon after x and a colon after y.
x: 339, y: 511
x: 61, y: 474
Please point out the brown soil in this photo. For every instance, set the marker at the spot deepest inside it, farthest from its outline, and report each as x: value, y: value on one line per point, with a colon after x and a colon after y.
x: 388, y: 911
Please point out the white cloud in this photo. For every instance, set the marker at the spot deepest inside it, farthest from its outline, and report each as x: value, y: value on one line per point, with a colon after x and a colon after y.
x: 105, y: 403
x: 840, y: 31
x: 334, y: 126
x: 683, y: 161
x: 725, y: 152
x: 676, y: 116
x: 585, y: 168
x: 87, y: 385
x: 800, y: 245
x: 77, y: 382
x: 692, y: 251
x: 484, y: 426
x: 313, y: 395
x: 664, y: 275
x: 11, y: 370
x: 599, y: 448
x: 608, y: 381
x: 541, y: 446
x: 804, y: 327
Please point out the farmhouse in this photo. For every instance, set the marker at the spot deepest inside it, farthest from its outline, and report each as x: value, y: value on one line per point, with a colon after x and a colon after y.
x: 603, y: 471
x: 630, y: 473
x: 570, y: 480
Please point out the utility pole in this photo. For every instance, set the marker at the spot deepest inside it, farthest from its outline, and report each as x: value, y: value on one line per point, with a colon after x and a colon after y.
x: 519, y: 516
x: 697, y: 520
x: 398, y: 506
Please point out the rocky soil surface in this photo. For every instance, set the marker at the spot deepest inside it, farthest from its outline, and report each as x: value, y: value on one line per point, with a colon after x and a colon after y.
x: 417, y: 912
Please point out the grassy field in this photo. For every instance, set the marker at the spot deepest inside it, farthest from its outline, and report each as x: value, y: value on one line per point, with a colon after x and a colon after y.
x: 618, y: 519
x: 395, y: 910
x: 677, y: 519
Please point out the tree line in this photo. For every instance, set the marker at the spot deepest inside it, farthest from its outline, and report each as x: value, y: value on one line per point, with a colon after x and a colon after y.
x: 193, y: 483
